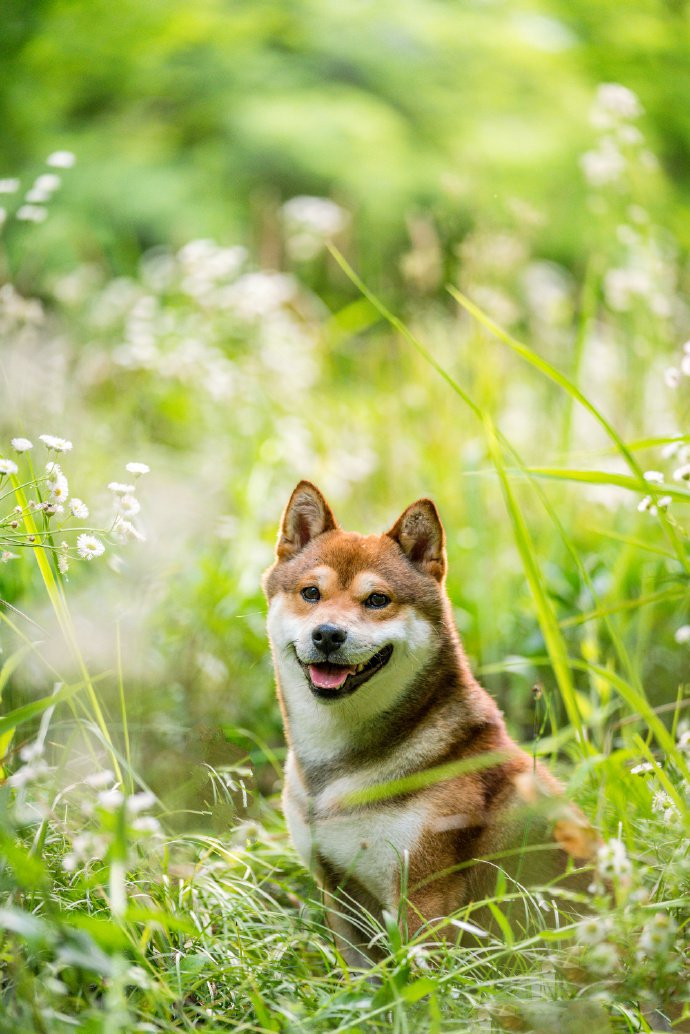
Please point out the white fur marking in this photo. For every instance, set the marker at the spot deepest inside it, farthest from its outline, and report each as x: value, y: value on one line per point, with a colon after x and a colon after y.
x: 320, y: 731
x: 370, y: 845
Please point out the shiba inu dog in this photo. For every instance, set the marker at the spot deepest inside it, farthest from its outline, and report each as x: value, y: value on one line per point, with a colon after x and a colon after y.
x: 401, y: 778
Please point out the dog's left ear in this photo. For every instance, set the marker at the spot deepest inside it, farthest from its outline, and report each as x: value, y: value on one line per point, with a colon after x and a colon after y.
x: 306, y: 515
x: 419, y: 533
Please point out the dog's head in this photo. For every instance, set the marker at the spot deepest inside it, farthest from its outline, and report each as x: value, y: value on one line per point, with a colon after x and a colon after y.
x: 353, y: 616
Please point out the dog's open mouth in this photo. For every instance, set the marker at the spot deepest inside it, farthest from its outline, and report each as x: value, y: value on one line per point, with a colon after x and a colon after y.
x: 329, y: 681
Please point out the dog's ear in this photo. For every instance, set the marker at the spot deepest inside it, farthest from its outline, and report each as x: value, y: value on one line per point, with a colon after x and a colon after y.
x: 419, y: 533
x: 306, y: 516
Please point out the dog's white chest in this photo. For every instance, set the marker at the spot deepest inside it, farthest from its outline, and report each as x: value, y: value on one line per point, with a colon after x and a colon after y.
x: 371, y: 846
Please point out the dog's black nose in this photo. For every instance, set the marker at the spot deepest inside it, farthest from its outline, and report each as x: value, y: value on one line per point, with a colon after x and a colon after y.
x: 328, y: 638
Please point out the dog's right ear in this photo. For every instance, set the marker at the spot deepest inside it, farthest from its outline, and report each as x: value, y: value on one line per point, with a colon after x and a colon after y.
x: 306, y: 516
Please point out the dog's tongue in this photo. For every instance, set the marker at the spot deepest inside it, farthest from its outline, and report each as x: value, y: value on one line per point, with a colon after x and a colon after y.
x: 328, y: 677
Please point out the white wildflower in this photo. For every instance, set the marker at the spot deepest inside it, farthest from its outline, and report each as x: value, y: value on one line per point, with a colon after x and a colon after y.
x: 642, y: 768
x: 59, y: 488
x: 672, y: 377
x: 137, y: 468
x: 21, y: 444
x: 622, y: 286
x: 603, y: 166
x: 146, y: 824
x: 37, y: 197
x: 669, y: 450
x: 6, y: 556
x: 110, y: 800
x: 140, y: 802
x: 31, y: 751
x: 612, y: 860
x: 70, y: 862
x: 30, y: 773
x: 48, y: 182
x: 8, y: 467
x: 119, y: 489
x: 310, y: 222
x: 655, y: 477
x: 646, y: 504
x: 682, y: 473
x: 630, y: 135
x: 83, y: 845
x: 127, y: 505
x: 88, y: 547
x: 657, y: 935
x: 100, y: 780
x: 9, y: 186
x: 31, y: 214
x: 664, y: 503
x: 684, y: 742
x: 55, y: 444
x: 661, y: 802
x: 259, y: 294
x: 602, y: 958
x: 61, y: 160
x: 319, y: 214
x: 79, y: 509
x: 63, y: 564
x: 593, y: 930
x: 685, y: 365
x: 614, y: 101
x: 124, y: 530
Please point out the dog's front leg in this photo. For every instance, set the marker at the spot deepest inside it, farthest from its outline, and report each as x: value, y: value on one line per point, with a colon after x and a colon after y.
x: 426, y: 905
x: 347, y: 906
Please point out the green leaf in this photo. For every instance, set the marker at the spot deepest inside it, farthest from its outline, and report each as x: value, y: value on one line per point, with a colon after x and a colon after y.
x: 555, y: 644
x: 413, y: 992
x: 26, y: 925
x: 28, y: 711
x: 607, y: 477
x: 501, y: 922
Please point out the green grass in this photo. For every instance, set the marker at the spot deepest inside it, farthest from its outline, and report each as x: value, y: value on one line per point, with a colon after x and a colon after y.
x: 147, y: 881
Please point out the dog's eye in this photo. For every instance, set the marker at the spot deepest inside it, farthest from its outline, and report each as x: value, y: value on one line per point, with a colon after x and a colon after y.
x: 377, y: 600
x: 311, y: 594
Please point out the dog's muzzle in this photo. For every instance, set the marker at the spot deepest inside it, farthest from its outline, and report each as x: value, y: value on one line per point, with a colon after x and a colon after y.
x: 334, y: 678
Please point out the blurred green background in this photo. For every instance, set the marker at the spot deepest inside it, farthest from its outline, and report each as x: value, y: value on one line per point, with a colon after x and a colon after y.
x: 199, y: 119
x: 451, y: 135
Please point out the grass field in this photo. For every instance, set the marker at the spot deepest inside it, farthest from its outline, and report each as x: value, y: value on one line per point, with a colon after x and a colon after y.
x: 147, y: 880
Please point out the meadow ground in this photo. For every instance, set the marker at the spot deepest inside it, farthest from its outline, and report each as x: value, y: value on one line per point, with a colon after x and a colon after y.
x: 147, y: 880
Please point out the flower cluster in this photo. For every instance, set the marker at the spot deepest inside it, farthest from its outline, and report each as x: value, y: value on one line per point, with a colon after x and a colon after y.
x: 642, y: 273
x: 18, y: 313
x: 679, y: 453
x: 613, y: 113
x: 33, y: 208
x: 612, y: 861
x: 200, y: 318
x: 34, y: 768
x: 657, y: 935
x: 36, y: 521
x: 108, y: 820
x: 104, y: 804
x: 673, y: 375
x: 309, y: 223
